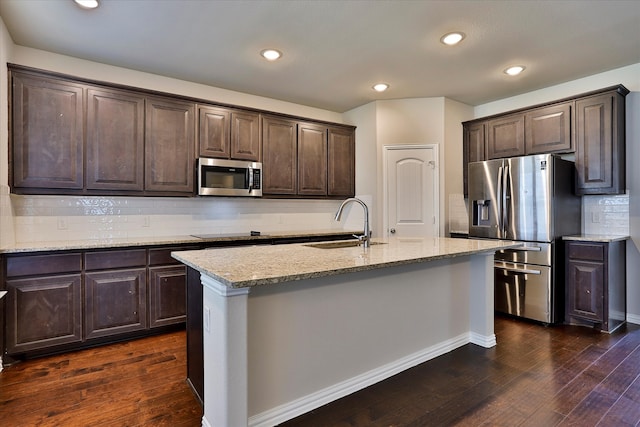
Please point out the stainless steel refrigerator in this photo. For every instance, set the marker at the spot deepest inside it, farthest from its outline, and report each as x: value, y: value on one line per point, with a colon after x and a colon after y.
x: 528, y: 199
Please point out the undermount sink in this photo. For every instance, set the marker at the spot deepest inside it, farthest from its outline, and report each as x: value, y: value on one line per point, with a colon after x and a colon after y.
x: 340, y: 244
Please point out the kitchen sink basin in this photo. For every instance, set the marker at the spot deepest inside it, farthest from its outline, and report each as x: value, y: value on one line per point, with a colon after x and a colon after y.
x: 340, y: 244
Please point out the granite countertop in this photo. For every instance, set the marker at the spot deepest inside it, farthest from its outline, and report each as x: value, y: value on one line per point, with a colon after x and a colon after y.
x: 604, y: 238
x: 163, y: 240
x: 241, y: 267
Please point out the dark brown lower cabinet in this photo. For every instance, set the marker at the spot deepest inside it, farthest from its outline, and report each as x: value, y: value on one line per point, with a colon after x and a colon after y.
x: 596, y: 284
x: 115, y: 302
x: 63, y: 300
x: 43, y: 312
x: 167, y: 295
x: 43, y: 301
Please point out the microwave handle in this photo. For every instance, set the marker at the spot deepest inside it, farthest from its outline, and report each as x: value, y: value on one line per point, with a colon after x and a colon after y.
x: 250, y: 171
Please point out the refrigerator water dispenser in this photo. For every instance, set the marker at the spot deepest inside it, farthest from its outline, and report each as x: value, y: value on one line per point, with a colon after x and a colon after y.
x: 481, y: 213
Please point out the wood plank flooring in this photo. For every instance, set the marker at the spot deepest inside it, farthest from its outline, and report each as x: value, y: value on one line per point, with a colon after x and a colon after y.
x: 135, y: 383
x: 536, y: 376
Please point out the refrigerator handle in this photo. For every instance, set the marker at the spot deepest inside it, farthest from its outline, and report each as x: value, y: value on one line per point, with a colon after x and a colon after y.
x: 500, y: 201
x: 505, y: 202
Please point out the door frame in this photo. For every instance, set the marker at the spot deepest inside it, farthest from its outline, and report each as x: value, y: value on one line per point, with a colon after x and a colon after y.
x: 436, y: 182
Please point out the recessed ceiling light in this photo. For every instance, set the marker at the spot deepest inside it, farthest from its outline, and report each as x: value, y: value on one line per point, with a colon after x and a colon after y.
x: 380, y: 87
x: 271, y: 54
x: 87, y: 4
x: 514, y: 70
x: 451, y: 39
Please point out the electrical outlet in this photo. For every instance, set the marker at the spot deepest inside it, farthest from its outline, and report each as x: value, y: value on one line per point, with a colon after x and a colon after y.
x: 62, y: 224
x: 146, y: 222
x: 595, y: 217
x: 207, y: 319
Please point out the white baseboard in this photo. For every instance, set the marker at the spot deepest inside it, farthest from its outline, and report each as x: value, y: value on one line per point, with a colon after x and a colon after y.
x: 633, y: 318
x: 486, y: 341
x: 312, y: 401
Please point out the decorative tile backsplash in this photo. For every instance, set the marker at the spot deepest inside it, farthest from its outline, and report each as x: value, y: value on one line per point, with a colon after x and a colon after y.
x: 605, y: 214
x: 51, y: 218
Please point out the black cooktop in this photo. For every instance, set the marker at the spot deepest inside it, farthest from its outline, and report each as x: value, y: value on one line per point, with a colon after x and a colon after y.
x: 214, y: 236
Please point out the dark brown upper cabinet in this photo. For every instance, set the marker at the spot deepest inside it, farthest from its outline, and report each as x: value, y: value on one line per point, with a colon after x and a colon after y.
x: 229, y: 134
x: 341, y: 162
x: 548, y: 129
x: 280, y: 156
x: 305, y: 159
x: 115, y: 140
x: 474, y: 147
x: 600, y: 143
x: 214, y: 131
x: 74, y: 136
x: 592, y: 125
x: 312, y: 159
x: 506, y: 137
x: 169, y: 145
x: 245, y: 136
x: 47, y: 133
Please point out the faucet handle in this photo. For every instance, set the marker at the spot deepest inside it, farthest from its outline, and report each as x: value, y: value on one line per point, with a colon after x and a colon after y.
x: 361, y: 237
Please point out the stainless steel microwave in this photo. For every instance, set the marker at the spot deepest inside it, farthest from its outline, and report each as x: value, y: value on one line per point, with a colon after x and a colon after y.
x: 219, y: 177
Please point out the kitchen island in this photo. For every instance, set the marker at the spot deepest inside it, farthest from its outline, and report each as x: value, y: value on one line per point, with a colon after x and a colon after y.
x: 289, y: 328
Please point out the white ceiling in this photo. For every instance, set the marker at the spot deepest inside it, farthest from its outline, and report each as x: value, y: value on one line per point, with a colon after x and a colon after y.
x: 334, y: 51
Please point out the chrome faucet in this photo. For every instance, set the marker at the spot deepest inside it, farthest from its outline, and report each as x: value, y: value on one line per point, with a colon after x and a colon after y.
x: 366, y: 237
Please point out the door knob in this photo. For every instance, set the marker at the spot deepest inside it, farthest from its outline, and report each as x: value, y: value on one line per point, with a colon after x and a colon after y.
x: 392, y: 231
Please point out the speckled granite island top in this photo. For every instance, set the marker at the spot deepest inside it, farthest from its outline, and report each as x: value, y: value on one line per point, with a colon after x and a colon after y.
x: 242, y: 267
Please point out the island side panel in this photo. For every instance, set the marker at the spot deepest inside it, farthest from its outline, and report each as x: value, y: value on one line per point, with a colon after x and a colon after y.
x: 225, y: 354
x: 314, y: 341
x: 481, y: 302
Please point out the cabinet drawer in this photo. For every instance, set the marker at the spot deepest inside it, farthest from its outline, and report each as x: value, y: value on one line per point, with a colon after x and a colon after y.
x: 162, y: 256
x: 115, y: 259
x: 33, y: 265
x: 587, y: 251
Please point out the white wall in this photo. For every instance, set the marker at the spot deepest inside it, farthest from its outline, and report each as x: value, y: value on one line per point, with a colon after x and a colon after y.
x: 364, y: 117
x: 7, y: 236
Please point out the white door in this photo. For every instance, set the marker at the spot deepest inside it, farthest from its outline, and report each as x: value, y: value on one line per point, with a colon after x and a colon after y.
x: 411, y: 191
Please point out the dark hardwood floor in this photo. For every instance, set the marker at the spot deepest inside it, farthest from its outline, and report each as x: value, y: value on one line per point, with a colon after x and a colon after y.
x: 135, y: 383
x: 536, y: 376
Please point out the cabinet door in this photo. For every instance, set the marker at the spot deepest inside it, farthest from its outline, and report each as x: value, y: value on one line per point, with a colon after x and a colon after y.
x: 214, y: 130
x: 600, y: 144
x: 245, y: 136
x: 167, y: 295
x: 586, y: 290
x: 341, y: 162
x: 115, y: 302
x: 279, y: 158
x: 474, y: 148
x: 43, y: 312
x: 312, y: 160
x: 506, y: 137
x: 48, y: 133
x: 548, y: 129
x: 115, y: 140
x: 169, y: 145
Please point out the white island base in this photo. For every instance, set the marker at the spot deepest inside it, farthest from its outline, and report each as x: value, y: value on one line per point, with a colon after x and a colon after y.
x: 276, y: 351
